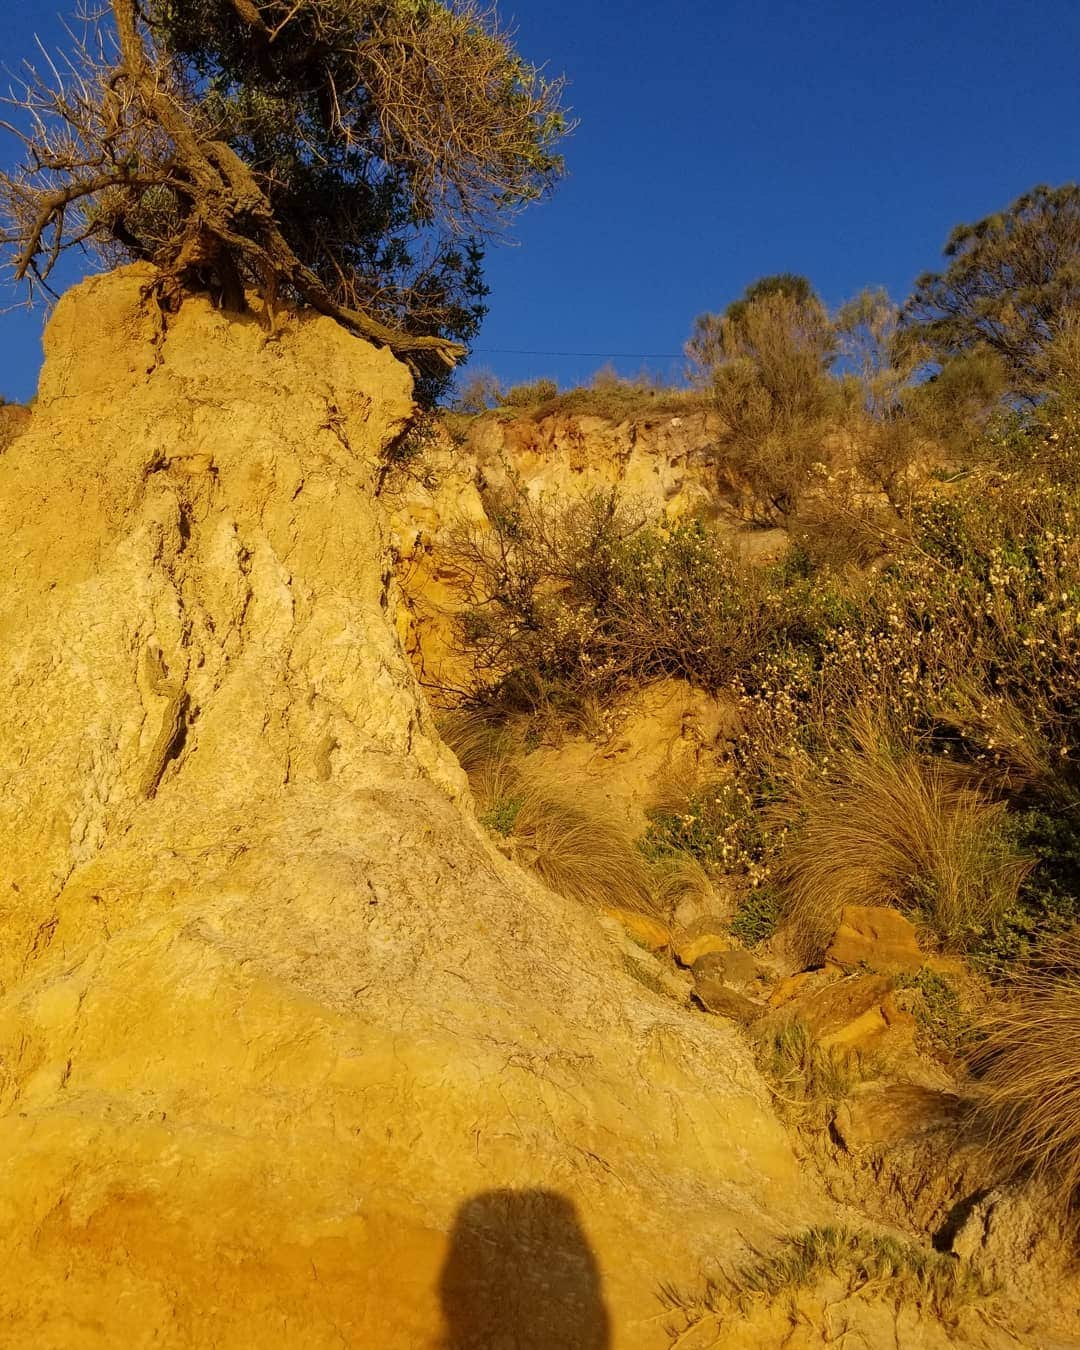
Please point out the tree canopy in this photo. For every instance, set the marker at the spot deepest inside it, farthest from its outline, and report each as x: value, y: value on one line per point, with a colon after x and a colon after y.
x: 765, y: 363
x: 350, y: 155
x: 1012, y: 285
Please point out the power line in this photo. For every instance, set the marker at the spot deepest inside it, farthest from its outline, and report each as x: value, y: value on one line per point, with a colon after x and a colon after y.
x: 614, y: 356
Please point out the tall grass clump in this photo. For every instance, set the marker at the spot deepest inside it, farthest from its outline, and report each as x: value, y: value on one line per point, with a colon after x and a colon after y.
x: 808, y: 1080
x: 1029, y: 1062
x: 573, y: 842
x: 877, y: 826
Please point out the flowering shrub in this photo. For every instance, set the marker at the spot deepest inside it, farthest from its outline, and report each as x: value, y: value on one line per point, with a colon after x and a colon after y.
x: 567, y: 602
x: 961, y: 647
x: 720, y: 826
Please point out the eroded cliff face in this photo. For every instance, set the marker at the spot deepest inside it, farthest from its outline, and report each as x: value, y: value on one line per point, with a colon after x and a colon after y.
x: 672, y: 464
x: 279, y: 1030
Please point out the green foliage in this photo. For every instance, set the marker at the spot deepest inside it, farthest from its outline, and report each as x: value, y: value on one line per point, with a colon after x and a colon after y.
x: 807, y: 1080
x: 939, y: 1011
x: 1012, y: 285
x: 503, y: 815
x: 1049, y: 900
x: 530, y: 394
x: 373, y: 193
x: 955, y: 405
x: 765, y: 364
x: 758, y: 915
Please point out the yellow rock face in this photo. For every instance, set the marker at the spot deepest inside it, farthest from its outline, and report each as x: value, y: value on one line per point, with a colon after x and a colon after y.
x: 288, y: 1055
x: 877, y: 938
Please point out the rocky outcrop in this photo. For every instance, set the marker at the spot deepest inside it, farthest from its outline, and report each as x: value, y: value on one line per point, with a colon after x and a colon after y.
x: 670, y: 463
x: 288, y: 1054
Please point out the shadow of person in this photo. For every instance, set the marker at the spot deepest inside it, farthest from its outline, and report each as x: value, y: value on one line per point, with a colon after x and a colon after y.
x: 520, y: 1275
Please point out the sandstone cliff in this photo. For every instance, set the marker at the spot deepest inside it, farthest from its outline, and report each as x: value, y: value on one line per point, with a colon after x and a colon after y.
x: 277, y: 1025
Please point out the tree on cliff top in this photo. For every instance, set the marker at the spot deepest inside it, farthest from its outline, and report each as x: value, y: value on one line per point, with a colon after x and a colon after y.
x: 349, y: 155
x: 1012, y: 285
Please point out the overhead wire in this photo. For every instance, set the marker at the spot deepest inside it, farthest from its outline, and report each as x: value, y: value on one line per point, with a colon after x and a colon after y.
x: 614, y: 356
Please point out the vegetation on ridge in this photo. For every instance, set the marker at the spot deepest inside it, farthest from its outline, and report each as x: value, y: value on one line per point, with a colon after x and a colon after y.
x: 905, y: 674
x: 864, y: 1264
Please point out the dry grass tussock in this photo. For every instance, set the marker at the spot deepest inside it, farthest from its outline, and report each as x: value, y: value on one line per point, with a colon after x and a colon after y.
x: 882, y: 827
x: 1030, y: 1066
x: 865, y: 1265
x: 476, y: 736
x: 679, y: 878
x: 569, y: 839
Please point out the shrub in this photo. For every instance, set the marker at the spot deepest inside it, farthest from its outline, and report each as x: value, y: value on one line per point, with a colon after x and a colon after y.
x: 478, y: 392
x: 1030, y: 1067
x: 301, y: 150
x: 622, y: 400
x: 841, y: 524
x: 716, y: 825
x: 758, y: 915
x: 568, y: 601
x: 766, y: 365
x: 940, y: 1012
x: 528, y: 395
x: 962, y: 640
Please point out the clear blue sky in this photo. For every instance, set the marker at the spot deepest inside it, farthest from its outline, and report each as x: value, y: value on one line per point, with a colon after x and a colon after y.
x: 722, y: 141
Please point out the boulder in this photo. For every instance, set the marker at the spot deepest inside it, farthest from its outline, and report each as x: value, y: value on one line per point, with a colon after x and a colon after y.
x: 882, y: 1116
x: 857, y: 1012
x: 877, y: 938
x: 718, y: 998
x: 701, y: 938
x: 737, y: 968
x: 645, y: 930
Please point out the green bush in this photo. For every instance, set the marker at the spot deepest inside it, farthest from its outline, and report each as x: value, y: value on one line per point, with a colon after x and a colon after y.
x: 568, y: 602
x: 528, y: 395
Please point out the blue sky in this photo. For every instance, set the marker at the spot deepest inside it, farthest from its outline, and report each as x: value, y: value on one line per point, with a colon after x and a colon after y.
x: 722, y: 141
